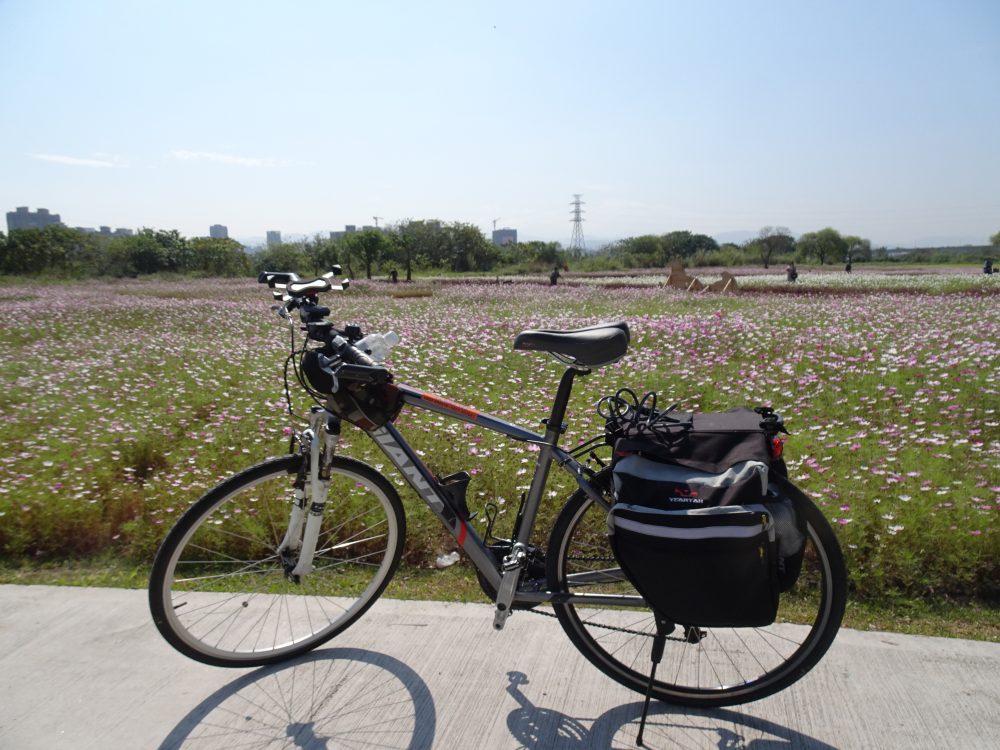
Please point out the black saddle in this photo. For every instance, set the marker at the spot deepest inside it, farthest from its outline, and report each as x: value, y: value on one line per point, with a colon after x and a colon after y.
x: 586, y: 347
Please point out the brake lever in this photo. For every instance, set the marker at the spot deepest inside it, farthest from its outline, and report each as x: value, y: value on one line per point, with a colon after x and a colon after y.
x: 324, y: 365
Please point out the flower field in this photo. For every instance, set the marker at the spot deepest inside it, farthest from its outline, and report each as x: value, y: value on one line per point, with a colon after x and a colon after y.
x: 121, y: 402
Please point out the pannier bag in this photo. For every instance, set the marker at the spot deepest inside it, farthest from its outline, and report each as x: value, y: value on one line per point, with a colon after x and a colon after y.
x: 691, y: 494
x: 713, y: 567
x: 670, y: 486
x: 710, y: 442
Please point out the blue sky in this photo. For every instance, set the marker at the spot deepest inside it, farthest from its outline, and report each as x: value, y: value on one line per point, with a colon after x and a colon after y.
x: 880, y: 119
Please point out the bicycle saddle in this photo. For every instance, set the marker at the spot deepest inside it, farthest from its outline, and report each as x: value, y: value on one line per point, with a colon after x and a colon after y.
x: 588, y: 347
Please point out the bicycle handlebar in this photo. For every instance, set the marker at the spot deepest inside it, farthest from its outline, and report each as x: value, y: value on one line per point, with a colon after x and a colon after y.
x: 347, y: 361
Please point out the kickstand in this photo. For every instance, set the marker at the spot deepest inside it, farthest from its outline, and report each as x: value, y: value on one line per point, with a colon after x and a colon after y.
x: 663, y: 628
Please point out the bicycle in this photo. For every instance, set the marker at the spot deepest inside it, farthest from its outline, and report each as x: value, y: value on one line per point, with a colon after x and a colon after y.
x: 283, y: 556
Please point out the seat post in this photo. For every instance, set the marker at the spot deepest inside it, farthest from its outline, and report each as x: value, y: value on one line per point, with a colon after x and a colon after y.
x: 558, y: 414
x: 526, y: 518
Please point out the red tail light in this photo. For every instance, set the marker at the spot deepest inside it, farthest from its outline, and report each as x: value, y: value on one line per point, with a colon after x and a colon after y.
x: 777, y: 447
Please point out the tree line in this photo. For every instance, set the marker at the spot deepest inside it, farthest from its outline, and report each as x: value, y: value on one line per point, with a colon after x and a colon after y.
x: 412, y: 246
x: 769, y: 246
x: 68, y: 253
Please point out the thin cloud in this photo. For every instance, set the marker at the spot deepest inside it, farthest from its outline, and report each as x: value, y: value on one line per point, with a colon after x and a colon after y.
x: 76, y: 161
x: 240, y: 161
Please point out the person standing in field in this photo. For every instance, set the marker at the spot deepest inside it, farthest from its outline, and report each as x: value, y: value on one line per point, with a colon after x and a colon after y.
x: 791, y: 272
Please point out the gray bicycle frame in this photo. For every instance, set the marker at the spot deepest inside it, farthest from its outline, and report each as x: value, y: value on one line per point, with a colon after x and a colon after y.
x: 426, y: 485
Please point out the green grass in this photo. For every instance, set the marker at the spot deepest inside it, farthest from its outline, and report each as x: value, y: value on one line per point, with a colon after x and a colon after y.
x: 122, y: 402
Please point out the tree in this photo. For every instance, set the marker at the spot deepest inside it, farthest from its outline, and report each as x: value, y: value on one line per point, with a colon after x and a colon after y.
x: 771, y: 241
x: 646, y: 250
x: 323, y: 252
x: 470, y: 250
x: 175, y: 250
x: 456, y: 246
x: 399, y: 249
x: 54, y: 249
x: 858, y: 248
x: 149, y: 251
x: 142, y: 252
x: 283, y: 257
x: 538, y: 253
x: 684, y: 244
x: 369, y: 245
x: 995, y: 240
x: 826, y: 245
x: 218, y: 257
x: 424, y: 241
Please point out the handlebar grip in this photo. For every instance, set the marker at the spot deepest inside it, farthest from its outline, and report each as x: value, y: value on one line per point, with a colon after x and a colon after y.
x: 355, y: 356
x: 357, y: 365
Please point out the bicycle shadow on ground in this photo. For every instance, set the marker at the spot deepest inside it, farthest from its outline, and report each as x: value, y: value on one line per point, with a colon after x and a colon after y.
x: 667, y: 727
x: 331, y: 698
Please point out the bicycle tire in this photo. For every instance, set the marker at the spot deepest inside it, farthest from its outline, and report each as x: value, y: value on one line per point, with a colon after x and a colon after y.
x: 218, y: 591
x: 727, y: 666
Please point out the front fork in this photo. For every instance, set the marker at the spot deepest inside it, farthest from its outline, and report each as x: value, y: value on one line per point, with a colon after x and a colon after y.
x: 319, y: 443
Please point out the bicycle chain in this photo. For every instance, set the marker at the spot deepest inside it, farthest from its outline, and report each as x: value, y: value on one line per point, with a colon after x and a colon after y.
x: 612, y: 628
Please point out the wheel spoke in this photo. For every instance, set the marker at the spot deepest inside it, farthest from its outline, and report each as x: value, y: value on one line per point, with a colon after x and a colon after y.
x: 226, y: 596
x: 724, y: 665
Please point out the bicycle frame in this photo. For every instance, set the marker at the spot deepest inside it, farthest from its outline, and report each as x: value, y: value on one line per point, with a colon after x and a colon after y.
x: 502, y: 575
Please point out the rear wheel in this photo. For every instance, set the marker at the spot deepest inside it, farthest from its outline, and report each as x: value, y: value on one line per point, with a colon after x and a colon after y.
x: 219, y: 592
x: 711, y: 666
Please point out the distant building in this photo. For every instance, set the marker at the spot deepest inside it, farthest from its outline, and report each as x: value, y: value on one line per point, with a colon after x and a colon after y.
x: 218, y: 232
x: 505, y: 236
x: 348, y: 229
x: 22, y: 218
x: 273, y: 237
x: 106, y: 231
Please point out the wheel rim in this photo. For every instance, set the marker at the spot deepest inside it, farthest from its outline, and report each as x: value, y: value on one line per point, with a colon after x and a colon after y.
x: 226, y: 595
x: 730, y: 662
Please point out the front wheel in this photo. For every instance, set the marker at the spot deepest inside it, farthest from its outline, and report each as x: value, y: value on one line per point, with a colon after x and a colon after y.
x: 704, y: 667
x: 219, y: 592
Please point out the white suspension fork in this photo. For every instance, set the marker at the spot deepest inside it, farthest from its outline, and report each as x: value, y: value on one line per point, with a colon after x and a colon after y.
x: 321, y: 448
x: 293, y: 534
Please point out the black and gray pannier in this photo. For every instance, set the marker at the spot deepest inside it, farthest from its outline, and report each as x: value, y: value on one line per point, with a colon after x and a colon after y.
x: 706, y: 566
x: 696, y: 526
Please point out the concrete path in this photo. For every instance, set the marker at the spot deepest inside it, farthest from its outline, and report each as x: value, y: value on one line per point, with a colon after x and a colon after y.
x: 85, y: 668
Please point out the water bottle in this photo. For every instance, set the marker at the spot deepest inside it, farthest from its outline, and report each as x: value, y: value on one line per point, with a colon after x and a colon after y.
x: 377, y: 345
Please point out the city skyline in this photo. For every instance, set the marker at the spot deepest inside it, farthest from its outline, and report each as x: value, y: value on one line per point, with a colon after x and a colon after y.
x: 718, y: 119
x: 273, y: 237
